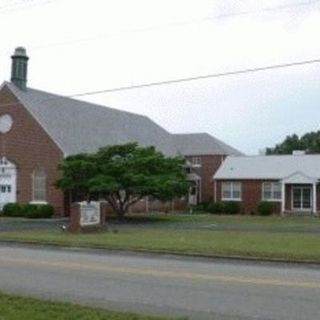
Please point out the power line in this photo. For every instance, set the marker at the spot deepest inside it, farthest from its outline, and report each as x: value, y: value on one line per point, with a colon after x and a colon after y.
x: 181, y: 80
x: 179, y: 24
x: 22, y: 6
x: 201, y: 77
x: 269, y: 9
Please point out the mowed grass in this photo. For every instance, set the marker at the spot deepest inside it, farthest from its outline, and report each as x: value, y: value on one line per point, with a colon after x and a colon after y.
x: 277, y: 221
x: 292, y: 246
x: 14, y: 307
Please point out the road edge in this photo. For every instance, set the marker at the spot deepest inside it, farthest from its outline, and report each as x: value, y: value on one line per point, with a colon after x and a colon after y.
x: 157, y: 253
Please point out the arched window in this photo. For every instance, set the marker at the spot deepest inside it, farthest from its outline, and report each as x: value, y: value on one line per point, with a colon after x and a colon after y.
x: 39, y: 178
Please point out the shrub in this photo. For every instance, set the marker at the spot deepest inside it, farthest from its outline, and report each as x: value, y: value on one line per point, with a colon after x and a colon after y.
x: 215, y: 207
x: 264, y: 208
x: 202, y: 206
x: 28, y: 210
x: 12, y: 210
x: 231, y: 207
x: 36, y: 211
x: 47, y: 211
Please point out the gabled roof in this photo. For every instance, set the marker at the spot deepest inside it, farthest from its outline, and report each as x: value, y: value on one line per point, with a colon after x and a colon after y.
x: 299, y: 177
x: 77, y: 126
x: 202, y: 144
x: 269, y: 167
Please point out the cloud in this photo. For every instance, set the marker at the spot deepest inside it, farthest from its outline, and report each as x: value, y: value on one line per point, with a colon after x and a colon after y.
x: 106, y: 44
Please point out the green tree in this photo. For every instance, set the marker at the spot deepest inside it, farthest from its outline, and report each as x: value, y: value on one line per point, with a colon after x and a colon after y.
x: 77, y: 172
x: 309, y: 142
x: 124, y: 174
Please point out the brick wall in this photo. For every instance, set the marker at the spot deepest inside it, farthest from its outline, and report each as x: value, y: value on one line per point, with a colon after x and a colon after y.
x: 251, y: 194
x: 209, y: 166
x: 29, y: 147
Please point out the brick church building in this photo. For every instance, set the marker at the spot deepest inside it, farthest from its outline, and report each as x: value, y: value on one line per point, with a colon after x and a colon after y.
x: 38, y: 129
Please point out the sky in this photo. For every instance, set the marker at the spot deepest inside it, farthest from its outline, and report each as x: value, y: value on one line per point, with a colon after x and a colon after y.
x: 80, y: 46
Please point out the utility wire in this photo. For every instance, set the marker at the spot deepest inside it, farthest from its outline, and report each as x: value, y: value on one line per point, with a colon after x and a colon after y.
x: 16, y: 7
x: 202, y: 77
x: 178, y: 24
x: 270, y: 9
x: 181, y: 80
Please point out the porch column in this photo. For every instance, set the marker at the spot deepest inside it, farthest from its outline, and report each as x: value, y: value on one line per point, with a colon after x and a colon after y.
x: 314, y: 198
x: 283, y: 198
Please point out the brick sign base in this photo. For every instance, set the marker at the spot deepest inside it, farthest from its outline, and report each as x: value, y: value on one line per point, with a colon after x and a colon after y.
x: 75, y: 224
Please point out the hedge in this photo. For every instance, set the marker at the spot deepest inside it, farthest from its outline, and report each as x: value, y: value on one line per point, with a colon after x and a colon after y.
x: 34, y: 211
x: 229, y: 207
x: 265, y: 208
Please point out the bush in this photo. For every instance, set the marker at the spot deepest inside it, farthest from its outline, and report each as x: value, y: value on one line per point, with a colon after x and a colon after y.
x: 12, y: 210
x: 231, y: 207
x: 265, y: 208
x: 33, y: 211
x: 215, y: 207
x: 202, y: 206
x: 36, y: 211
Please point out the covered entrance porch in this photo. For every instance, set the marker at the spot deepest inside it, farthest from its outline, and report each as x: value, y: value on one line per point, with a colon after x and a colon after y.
x: 299, y: 194
x: 8, y: 182
x: 194, y: 195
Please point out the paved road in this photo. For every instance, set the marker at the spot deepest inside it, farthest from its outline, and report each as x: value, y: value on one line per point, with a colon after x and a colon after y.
x: 199, y: 288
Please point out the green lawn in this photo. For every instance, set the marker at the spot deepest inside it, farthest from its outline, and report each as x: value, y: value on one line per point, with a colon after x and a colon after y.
x: 286, y: 245
x: 16, y: 308
x: 287, y: 221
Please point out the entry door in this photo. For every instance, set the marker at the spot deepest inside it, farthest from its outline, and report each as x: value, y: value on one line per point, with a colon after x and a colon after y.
x: 8, y: 180
x: 6, y: 194
x: 194, y: 193
x: 302, y: 198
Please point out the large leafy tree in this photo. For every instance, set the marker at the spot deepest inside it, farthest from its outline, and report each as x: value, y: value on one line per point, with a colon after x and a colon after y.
x: 124, y: 174
x: 309, y: 142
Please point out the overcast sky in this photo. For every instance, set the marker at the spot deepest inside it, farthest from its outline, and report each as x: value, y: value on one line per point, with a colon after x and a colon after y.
x: 80, y: 45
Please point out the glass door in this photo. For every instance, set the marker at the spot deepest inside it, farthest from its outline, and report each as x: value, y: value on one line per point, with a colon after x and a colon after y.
x: 302, y: 198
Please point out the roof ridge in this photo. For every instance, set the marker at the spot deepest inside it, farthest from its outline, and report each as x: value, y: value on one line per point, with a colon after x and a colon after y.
x: 58, y: 96
x: 81, y: 126
x: 77, y: 125
x: 275, y: 155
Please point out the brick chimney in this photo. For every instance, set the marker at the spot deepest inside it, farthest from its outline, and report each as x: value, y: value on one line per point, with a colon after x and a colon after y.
x: 19, y: 68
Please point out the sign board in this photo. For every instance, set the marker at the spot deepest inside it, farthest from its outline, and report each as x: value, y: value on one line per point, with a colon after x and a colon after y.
x: 89, y: 213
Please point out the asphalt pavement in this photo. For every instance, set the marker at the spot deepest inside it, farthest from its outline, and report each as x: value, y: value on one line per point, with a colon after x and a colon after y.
x: 166, y: 285
x: 21, y: 224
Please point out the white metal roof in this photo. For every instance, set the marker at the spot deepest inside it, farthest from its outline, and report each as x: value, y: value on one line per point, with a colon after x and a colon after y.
x: 269, y: 167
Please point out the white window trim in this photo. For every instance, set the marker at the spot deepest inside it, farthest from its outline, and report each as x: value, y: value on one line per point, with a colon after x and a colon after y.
x: 272, y: 192
x: 197, y: 165
x: 231, y: 191
x: 35, y: 201
x: 38, y: 202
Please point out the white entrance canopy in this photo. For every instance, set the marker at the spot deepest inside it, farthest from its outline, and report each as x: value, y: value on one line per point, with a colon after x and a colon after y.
x: 8, y: 182
x: 299, y: 177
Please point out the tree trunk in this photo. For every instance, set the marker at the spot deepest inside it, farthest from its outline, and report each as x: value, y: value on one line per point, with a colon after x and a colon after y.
x: 121, y: 206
